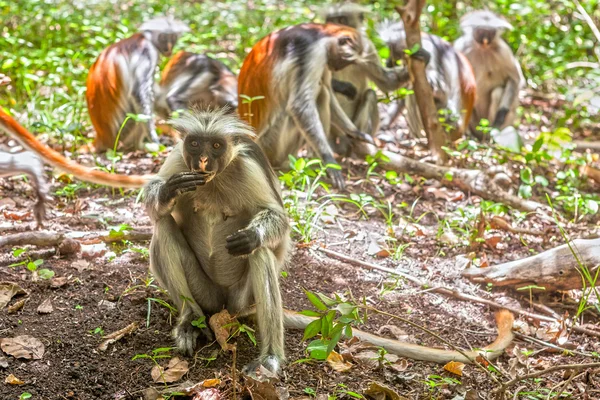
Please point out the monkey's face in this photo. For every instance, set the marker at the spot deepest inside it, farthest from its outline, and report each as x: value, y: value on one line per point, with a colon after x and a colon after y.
x: 165, y: 43
x: 343, y: 53
x: 484, y: 35
x: 205, y: 154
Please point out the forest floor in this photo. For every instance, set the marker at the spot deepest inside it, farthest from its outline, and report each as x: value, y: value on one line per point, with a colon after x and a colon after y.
x: 104, y: 288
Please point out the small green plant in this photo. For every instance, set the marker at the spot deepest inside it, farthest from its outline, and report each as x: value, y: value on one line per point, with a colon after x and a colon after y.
x: 239, y: 328
x: 154, y: 356
x: 150, y: 300
x: 79, y: 307
x: 97, y: 331
x: 531, y: 288
x: 200, y: 323
x: 31, y: 265
x: 25, y: 396
x: 328, y: 324
x: 249, y: 100
x: 310, y: 391
x: 435, y: 382
x: 342, y: 390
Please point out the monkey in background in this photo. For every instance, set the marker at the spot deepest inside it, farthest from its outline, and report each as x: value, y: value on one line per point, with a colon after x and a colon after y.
x: 292, y: 68
x: 192, y: 80
x: 121, y: 81
x: 497, y: 72
x: 363, y: 108
x: 27, y: 162
x: 449, y: 73
x: 221, y: 234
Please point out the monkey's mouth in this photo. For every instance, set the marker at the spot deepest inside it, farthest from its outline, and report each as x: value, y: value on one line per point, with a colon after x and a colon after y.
x: 208, y: 175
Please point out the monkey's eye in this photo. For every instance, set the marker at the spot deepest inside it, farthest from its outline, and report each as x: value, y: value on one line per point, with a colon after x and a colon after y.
x: 194, y: 143
x: 216, y: 145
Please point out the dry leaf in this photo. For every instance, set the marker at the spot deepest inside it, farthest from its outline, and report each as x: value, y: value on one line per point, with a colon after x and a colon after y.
x: 260, y: 390
x: 218, y: 323
x: 396, y: 332
x: 445, y: 194
x: 372, y: 358
x: 17, y: 306
x: 16, y: 215
x: 400, y: 366
x: 13, y: 380
x: 152, y: 394
x: 337, y: 363
x: 45, y: 307
x: 24, y: 346
x: 455, y: 367
x: 492, y: 242
x: 172, y: 373
x: 7, y: 291
x: 3, y: 362
x: 378, y: 391
x: 57, y: 282
x: 113, y: 337
x: 209, y: 383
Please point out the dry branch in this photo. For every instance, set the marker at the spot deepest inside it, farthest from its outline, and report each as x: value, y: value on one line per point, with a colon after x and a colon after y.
x: 50, y: 239
x: 555, y: 269
x: 479, y: 183
x: 436, y: 137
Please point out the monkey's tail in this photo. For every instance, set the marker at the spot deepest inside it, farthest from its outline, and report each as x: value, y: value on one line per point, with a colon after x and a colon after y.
x: 468, y: 89
x: 504, y: 320
x: 28, y: 140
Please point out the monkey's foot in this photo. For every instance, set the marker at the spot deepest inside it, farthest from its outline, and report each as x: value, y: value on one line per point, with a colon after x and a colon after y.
x: 186, y: 337
x: 271, y: 363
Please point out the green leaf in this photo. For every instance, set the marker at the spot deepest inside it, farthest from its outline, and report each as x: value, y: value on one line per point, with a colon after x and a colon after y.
x: 25, y: 396
x: 46, y: 273
x: 355, y: 395
x: 315, y: 300
x: 312, y: 329
x: 391, y: 175
x: 38, y: 262
x: 541, y: 180
x: 310, y: 313
x: 333, y: 166
x: 18, y: 252
x: 317, y: 349
x: 592, y: 206
x: 31, y: 266
x: 449, y: 176
x: 200, y: 322
x: 345, y: 308
x: 538, y: 144
x: 336, y: 334
x: 300, y: 164
x: 525, y: 191
x: 327, y: 300
x: 527, y: 176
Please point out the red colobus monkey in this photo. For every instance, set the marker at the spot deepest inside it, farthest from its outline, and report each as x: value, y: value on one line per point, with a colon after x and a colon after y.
x: 363, y: 108
x: 449, y: 73
x: 292, y: 68
x: 192, y: 80
x: 497, y: 72
x: 121, y: 81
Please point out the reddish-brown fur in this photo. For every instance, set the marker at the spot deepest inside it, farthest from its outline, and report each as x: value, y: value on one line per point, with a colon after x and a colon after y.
x: 170, y: 71
x: 105, y: 88
x: 468, y: 89
x: 256, y: 73
x: 56, y: 159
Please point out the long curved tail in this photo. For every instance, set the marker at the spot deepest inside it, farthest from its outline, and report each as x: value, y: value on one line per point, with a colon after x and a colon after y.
x: 504, y: 320
x: 28, y: 140
x: 468, y: 89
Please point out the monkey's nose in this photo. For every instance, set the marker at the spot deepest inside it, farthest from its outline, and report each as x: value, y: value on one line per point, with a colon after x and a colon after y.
x: 203, y: 162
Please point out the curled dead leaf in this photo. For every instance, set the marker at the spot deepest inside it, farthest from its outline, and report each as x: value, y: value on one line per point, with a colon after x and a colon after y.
x: 396, y: 332
x: 24, y: 346
x: 455, y: 367
x: 173, y: 372
x: 337, y: 363
x: 13, y: 380
x: 7, y: 291
x: 261, y: 390
x: 17, y: 306
x: 209, y: 383
x: 379, y: 391
x: 57, y: 282
x: 221, y: 323
x: 492, y: 242
x: 45, y: 307
x: 113, y: 337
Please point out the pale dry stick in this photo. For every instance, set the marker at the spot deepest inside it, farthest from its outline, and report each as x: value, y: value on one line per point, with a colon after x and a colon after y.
x: 505, y: 386
x: 564, y: 385
x: 455, y: 293
x: 588, y: 19
x: 435, y: 335
x: 550, y: 345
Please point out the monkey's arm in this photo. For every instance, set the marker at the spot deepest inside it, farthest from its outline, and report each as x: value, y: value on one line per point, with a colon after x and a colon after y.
x: 267, y: 228
x: 345, y: 88
x: 144, y: 94
x: 340, y: 119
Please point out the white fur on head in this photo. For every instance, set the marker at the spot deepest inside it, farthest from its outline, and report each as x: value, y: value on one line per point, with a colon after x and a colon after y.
x: 211, y: 122
x: 391, y: 32
x: 341, y: 9
x: 165, y: 25
x: 484, y: 18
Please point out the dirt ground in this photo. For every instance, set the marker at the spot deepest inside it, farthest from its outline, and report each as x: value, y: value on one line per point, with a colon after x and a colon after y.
x: 108, y: 287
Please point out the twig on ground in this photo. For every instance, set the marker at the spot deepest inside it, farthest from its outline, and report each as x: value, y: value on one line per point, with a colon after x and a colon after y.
x: 455, y: 293
x: 550, y: 345
x: 46, y: 239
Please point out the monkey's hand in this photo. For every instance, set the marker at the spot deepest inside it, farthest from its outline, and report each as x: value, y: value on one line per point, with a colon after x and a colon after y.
x: 243, y: 242
x: 421, y: 55
x: 500, y: 117
x: 363, y: 137
x: 178, y: 184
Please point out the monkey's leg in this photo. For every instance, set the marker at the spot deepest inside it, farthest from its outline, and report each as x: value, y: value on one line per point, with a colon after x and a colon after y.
x: 304, y: 111
x: 503, y: 104
x: 264, y: 280
x: 413, y: 117
x: 366, y: 117
x: 145, y: 97
x: 173, y: 263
